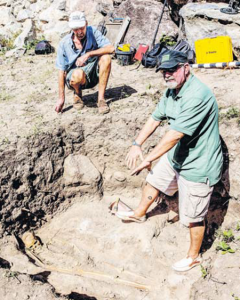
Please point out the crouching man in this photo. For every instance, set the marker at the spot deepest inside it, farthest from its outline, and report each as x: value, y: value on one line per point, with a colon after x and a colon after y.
x: 190, y: 152
x: 83, y: 61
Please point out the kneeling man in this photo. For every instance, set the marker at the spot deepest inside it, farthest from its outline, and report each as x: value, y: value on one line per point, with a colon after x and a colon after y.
x: 83, y: 61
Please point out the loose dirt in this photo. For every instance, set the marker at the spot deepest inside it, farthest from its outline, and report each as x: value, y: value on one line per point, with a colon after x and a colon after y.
x: 82, y: 251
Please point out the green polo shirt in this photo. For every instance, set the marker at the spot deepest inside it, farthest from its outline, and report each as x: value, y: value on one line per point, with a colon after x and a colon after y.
x: 193, y: 111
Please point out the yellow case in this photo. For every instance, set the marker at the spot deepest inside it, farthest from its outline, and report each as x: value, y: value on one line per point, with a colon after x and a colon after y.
x: 213, y: 50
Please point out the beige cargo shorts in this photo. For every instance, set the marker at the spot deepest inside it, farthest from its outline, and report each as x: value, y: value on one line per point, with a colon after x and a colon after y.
x: 194, y: 197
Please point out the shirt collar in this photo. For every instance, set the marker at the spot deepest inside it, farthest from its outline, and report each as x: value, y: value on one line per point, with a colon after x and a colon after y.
x: 185, y: 86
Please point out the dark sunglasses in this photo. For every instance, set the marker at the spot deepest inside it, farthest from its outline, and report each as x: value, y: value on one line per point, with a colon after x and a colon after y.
x: 171, y: 70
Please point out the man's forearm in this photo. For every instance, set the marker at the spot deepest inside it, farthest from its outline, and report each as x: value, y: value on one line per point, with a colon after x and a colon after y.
x: 109, y: 49
x: 147, y: 130
x: 61, y: 84
x: 169, y: 140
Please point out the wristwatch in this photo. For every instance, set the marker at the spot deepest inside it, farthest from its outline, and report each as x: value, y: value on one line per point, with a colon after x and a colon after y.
x: 134, y: 143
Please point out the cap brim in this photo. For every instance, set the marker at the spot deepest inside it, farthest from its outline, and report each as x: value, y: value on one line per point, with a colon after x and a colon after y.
x: 76, y: 25
x: 166, y: 65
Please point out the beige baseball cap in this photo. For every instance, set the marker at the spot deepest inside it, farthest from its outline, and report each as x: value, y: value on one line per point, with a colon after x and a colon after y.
x: 77, y: 19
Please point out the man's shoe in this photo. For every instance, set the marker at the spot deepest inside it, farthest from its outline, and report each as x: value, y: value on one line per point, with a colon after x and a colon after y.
x: 187, y: 263
x: 103, y: 107
x: 129, y: 216
x: 77, y: 101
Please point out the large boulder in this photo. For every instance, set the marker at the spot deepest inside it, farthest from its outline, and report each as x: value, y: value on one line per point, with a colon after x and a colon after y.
x: 53, y: 32
x: 144, y: 21
x: 10, y: 29
x: 27, y: 35
x: 52, y: 14
x: 203, y: 20
x: 6, y: 16
x: 89, y: 7
x: 23, y: 15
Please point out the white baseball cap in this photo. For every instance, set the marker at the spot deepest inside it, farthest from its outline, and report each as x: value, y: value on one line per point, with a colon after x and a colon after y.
x: 77, y: 19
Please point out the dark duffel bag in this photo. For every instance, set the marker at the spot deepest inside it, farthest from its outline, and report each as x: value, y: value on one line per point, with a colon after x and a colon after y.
x: 43, y: 47
x: 151, y: 58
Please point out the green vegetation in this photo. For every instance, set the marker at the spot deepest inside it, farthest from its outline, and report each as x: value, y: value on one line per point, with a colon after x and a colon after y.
x: 167, y: 40
x: 8, y: 43
x: 4, y: 95
x: 224, y: 247
x: 238, y: 227
x: 228, y: 236
x: 30, y: 45
x: 235, y: 297
x: 233, y: 112
x: 225, y: 238
x: 204, y: 272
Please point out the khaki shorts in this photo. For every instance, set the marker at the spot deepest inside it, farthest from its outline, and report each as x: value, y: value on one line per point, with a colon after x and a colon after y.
x: 194, y: 197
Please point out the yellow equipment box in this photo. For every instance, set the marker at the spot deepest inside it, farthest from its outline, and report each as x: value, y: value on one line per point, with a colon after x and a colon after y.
x: 214, y: 50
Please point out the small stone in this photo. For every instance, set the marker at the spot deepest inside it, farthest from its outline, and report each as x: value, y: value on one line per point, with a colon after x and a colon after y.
x: 119, y: 176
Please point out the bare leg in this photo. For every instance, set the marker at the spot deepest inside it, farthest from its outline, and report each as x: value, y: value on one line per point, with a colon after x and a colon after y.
x: 104, y: 72
x: 196, y: 236
x: 148, y: 196
x: 78, y: 78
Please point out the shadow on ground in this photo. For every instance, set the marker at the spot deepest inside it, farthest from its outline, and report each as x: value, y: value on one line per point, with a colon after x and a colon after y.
x: 111, y: 95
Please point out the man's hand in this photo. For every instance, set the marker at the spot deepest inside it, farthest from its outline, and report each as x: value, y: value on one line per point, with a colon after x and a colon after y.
x: 133, y: 155
x: 82, y: 60
x: 144, y: 165
x: 59, y: 106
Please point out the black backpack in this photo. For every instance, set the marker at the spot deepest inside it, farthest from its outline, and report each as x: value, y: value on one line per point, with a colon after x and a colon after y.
x: 43, y: 47
x: 151, y: 58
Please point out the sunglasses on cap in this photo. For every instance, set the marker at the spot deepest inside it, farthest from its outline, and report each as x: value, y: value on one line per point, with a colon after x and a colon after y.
x: 171, y: 70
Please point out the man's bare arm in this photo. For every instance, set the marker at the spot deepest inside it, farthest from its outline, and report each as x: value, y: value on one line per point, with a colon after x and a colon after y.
x: 169, y: 140
x: 109, y: 49
x: 136, y: 151
x: 61, y: 91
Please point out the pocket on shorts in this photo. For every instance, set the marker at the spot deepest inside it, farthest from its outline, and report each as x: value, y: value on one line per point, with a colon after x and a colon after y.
x: 198, y: 201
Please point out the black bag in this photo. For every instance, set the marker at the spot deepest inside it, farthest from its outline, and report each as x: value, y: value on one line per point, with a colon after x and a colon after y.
x: 43, y: 47
x: 151, y: 58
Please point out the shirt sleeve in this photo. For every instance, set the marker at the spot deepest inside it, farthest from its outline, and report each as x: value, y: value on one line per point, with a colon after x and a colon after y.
x: 159, y: 112
x: 191, y: 116
x: 61, y: 62
x: 101, y: 40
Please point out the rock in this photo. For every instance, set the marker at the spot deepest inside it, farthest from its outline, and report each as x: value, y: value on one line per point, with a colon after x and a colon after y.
x: 56, y: 31
x: 6, y: 16
x: 79, y: 170
x: 23, y: 15
x: 147, y: 16
x: 52, y: 14
x: 16, y: 214
x: 17, y: 52
x: 89, y: 7
x: 3, y: 2
x: 175, y: 279
x: 202, y: 20
x: 61, y: 5
x: 26, y: 35
x: 10, y: 29
x: 119, y: 176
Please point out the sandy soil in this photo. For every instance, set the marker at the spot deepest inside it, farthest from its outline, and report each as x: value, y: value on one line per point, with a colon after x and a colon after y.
x: 86, y: 253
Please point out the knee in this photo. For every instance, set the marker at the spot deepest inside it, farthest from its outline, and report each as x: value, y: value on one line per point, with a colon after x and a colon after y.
x: 105, y: 60
x: 77, y: 77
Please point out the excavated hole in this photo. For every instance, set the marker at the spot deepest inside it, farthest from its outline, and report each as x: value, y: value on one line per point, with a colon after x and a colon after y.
x: 33, y: 188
